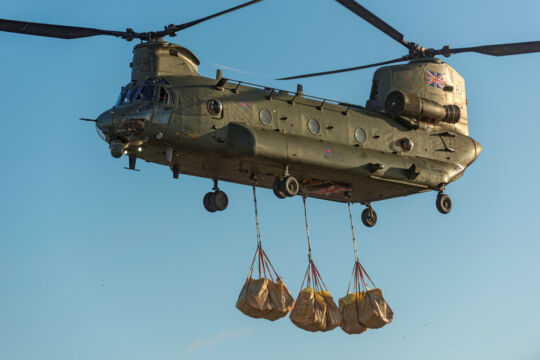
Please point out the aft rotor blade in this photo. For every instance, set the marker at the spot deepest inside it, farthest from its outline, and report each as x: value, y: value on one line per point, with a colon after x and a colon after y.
x: 195, y: 22
x: 374, y: 20
x: 500, y: 49
x: 404, y: 58
x: 55, y: 31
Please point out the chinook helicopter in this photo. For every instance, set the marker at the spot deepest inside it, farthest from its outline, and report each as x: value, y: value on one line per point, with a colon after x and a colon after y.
x: 411, y: 136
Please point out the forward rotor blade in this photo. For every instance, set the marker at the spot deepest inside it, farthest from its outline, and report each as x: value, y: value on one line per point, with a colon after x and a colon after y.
x: 374, y: 20
x: 404, y: 58
x: 55, y: 31
x: 500, y: 49
x: 195, y: 22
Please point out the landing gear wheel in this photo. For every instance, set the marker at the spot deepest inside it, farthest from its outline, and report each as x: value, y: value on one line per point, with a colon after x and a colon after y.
x: 208, y: 202
x: 290, y: 186
x: 277, y: 189
x: 215, y: 201
x: 444, y: 203
x: 369, y: 217
x: 220, y: 200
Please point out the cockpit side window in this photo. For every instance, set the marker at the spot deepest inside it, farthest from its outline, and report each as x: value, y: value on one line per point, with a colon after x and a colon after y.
x: 129, y: 93
x: 121, y: 97
x: 145, y: 93
x: 165, y: 96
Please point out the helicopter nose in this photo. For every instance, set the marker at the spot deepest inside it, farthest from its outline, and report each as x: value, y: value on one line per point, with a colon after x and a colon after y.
x: 104, y: 124
x: 104, y: 121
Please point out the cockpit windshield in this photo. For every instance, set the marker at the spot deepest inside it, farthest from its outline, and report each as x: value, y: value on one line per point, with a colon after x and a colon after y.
x: 134, y: 92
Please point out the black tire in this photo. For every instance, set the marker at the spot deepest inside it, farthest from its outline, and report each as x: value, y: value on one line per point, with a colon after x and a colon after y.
x: 290, y: 186
x: 369, y: 217
x: 220, y: 200
x: 277, y: 189
x: 444, y: 203
x: 209, y: 203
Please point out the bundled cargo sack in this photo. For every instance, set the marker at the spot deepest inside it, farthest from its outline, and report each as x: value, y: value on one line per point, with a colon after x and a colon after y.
x: 374, y: 312
x: 264, y: 297
x: 253, y: 299
x: 315, y: 309
x: 281, y: 300
x: 349, y: 310
x: 364, y: 308
x: 309, y: 311
x: 333, y: 314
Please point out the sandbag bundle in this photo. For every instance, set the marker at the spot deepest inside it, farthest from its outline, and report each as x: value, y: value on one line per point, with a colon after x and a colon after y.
x: 264, y: 297
x: 364, y: 308
x: 315, y: 309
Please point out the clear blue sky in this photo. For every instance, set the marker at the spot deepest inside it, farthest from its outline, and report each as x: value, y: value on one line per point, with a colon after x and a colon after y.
x: 97, y: 262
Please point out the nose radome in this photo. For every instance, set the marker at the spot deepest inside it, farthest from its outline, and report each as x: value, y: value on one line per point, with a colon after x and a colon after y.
x: 104, y: 121
x: 104, y: 124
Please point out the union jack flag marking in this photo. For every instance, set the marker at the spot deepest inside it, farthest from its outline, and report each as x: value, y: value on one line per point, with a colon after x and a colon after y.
x: 330, y: 190
x: 434, y: 79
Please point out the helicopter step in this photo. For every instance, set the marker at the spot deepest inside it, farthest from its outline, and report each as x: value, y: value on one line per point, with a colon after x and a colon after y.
x: 216, y: 200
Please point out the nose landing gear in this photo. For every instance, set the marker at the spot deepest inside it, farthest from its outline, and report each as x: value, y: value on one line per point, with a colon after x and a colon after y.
x: 216, y: 200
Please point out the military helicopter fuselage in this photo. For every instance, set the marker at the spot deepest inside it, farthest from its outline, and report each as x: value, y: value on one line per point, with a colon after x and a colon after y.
x: 411, y: 137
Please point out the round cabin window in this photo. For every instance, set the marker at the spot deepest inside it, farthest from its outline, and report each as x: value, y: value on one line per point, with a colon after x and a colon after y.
x: 265, y: 116
x: 214, y: 107
x: 313, y: 126
x: 360, y: 135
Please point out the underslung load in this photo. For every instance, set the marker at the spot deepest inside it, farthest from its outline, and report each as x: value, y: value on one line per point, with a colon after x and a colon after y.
x: 363, y: 308
x: 264, y: 297
x: 315, y: 309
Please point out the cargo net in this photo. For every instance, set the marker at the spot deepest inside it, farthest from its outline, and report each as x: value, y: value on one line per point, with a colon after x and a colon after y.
x: 363, y: 308
x: 267, y: 296
x: 315, y: 309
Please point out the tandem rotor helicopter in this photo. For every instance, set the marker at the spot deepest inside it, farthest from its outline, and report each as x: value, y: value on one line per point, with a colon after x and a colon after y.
x: 412, y: 135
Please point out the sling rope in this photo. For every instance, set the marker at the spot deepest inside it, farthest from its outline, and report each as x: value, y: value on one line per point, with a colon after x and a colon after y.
x: 312, y: 276
x: 257, y: 217
x: 265, y: 267
x: 307, y: 231
x: 352, y: 231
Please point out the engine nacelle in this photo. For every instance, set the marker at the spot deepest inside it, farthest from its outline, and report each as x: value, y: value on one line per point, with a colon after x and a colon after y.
x: 399, y: 104
x: 438, y: 91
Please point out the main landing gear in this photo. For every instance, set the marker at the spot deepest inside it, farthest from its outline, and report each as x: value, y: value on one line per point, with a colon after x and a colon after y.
x: 369, y: 216
x: 443, y: 203
x: 216, y: 200
x: 286, y: 187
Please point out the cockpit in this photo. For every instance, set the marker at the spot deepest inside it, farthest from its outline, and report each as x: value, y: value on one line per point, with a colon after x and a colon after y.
x: 150, y: 90
x: 140, y: 105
